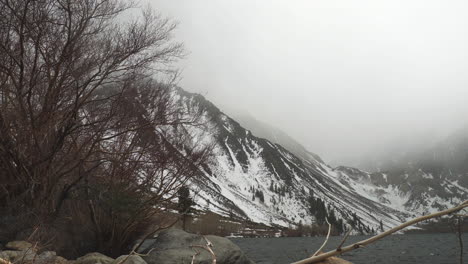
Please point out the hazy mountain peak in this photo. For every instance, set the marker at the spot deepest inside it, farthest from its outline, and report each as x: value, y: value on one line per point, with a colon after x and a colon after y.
x: 275, y: 135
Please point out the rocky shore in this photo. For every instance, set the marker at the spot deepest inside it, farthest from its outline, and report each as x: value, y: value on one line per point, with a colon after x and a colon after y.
x: 172, y: 246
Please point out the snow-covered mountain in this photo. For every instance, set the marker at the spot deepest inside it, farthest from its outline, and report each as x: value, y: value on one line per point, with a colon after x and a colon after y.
x: 412, y: 190
x: 257, y: 179
x: 275, y: 135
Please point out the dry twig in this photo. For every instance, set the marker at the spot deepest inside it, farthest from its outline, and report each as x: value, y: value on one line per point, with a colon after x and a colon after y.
x: 194, y: 256
x: 326, y: 239
x: 206, y: 247
x: 344, y: 240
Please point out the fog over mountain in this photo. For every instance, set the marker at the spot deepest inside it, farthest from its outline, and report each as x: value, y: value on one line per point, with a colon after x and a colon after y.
x: 347, y: 79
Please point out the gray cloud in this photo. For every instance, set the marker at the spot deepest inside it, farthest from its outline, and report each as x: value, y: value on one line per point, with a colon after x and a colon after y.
x: 342, y: 77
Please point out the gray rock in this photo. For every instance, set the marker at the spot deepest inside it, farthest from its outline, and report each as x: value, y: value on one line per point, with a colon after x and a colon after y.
x: 19, y: 245
x: 126, y: 259
x: 47, y: 255
x: 175, y: 246
x: 58, y: 260
x: 8, y: 254
x: 24, y: 256
x: 50, y: 257
x: 94, y: 258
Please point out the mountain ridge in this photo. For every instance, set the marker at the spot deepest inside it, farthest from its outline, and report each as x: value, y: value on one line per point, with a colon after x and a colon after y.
x: 262, y: 181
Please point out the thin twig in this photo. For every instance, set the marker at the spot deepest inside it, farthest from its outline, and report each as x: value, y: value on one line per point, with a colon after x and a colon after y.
x: 32, y: 234
x: 208, y: 247
x: 31, y: 249
x: 196, y: 254
x: 460, y: 240
x: 315, y: 259
x: 344, y: 240
x: 326, y: 239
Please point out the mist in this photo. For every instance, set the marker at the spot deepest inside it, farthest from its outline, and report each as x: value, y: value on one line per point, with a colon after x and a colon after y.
x: 344, y: 78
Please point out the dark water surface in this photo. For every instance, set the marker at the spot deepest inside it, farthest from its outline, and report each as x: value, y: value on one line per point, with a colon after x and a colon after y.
x: 407, y: 249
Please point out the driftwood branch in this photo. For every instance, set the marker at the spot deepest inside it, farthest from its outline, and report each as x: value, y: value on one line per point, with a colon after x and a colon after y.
x: 315, y: 259
x: 344, y: 240
x: 194, y: 255
x: 326, y: 239
x: 206, y: 247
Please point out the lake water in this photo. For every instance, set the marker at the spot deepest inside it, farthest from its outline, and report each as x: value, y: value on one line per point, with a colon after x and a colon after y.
x: 405, y: 249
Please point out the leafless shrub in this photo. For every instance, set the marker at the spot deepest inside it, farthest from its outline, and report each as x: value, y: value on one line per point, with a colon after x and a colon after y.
x: 87, y: 133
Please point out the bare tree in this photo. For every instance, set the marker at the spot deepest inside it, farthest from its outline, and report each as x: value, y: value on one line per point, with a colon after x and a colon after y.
x: 83, y: 119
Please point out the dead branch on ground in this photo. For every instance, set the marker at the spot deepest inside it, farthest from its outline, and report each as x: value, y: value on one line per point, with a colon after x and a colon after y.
x: 206, y: 247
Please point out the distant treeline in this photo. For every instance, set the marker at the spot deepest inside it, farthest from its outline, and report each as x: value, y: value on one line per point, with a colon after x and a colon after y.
x: 442, y: 225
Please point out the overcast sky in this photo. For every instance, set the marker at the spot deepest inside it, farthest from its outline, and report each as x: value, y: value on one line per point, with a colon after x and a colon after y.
x: 342, y: 77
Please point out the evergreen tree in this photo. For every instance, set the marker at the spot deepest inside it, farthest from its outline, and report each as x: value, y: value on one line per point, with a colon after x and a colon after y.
x: 184, y: 204
x: 259, y: 195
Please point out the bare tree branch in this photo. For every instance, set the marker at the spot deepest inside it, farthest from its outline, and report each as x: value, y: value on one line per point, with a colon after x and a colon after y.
x: 326, y: 239
x: 343, y: 240
x: 207, y: 247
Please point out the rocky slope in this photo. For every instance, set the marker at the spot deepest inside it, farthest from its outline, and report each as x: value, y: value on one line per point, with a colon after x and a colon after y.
x: 427, y: 180
x: 255, y: 178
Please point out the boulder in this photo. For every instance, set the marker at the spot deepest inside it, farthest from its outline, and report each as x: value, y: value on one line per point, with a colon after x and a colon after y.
x: 174, y: 246
x: 129, y: 259
x: 94, y: 258
x: 47, y: 255
x: 50, y: 257
x: 8, y: 255
x: 24, y: 256
x: 19, y: 245
x: 58, y: 260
